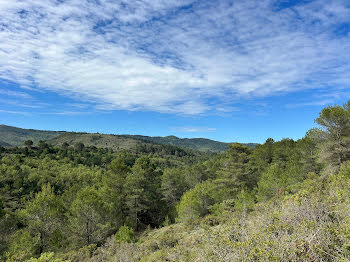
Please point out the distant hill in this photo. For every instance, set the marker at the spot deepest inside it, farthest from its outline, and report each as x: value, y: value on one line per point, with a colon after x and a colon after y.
x: 13, y: 136
x: 115, y: 142
x: 4, y: 144
x: 201, y: 144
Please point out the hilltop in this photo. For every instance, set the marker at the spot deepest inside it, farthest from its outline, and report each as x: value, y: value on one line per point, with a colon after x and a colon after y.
x: 201, y: 144
x: 14, y: 136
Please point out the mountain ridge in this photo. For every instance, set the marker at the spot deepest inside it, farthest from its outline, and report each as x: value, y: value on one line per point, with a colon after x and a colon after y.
x: 15, y: 136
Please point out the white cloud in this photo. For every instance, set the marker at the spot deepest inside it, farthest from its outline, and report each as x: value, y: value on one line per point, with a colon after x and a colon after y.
x: 154, y: 55
x: 6, y: 92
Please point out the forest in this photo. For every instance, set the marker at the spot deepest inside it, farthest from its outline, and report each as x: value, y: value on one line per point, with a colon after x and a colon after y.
x: 278, y: 201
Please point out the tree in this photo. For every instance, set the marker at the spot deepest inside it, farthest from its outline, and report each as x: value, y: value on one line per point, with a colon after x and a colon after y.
x: 271, y: 183
x: 8, y: 225
x: 113, y: 190
x: 47, y: 257
x: 28, y: 143
x: 234, y: 171
x: 307, y: 152
x: 43, y: 215
x: 196, y: 202
x: 143, y: 194
x: 125, y: 234
x: 24, y: 245
x: 173, y: 185
x: 43, y: 145
x: 136, y: 201
x: 282, y: 150
x: 88, y: 217
x: 260, y: 159
x: 196, y: 174
x: 245, y: 201
x: 79, y: 147
x: 334, y: 134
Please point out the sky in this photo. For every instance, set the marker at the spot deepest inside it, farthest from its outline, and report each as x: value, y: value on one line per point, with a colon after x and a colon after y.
x: 233, y: 71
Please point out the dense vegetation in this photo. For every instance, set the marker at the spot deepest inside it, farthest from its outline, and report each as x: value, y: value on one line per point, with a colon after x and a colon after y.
x: 201, y: 144
x: 13, y: 136
x: 281, y: 201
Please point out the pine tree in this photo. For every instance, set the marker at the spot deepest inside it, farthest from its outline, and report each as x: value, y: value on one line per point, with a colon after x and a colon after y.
x: 234, y: 171
x: 44, y: 215
x: 334, y: 135
x: 89, y: 214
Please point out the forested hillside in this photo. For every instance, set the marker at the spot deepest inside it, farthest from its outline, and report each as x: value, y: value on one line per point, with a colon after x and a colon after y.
x: 201, y: 144
x: 115, y: 142
x: 13, y: 136
x: 280, y: 201
x: 4, y: 144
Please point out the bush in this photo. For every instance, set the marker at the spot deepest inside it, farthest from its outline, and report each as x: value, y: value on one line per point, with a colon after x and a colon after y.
x: 125, y: 234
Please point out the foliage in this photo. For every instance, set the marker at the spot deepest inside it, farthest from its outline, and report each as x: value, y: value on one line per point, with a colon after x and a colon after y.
x: 13, y: 136
x: 280, y: 201
x: 46, y: 257
x: 334, y: 135
x: 125, y: 234
x: 196, y: 202
x: 89, y: 222
x: 43, y: 215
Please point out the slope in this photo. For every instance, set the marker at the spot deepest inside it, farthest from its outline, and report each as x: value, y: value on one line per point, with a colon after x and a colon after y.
x: 14, y: 136
x: 115, y: 142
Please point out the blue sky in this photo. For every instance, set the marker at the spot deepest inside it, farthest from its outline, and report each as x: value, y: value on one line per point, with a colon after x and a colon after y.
x: 227, y: 70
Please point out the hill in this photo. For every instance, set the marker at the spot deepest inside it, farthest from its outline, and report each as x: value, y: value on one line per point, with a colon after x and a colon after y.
x: 115, y: 142
x: 131, y: 141
x: 282, y: 201
x: 14, y: 136
x: 2, y: 143
x: 201, y: 144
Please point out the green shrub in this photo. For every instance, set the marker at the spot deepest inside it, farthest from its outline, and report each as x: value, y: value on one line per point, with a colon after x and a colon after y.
x: 125, y: 234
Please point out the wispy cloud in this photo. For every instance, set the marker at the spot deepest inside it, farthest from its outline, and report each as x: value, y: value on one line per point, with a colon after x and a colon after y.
x: 312, y: 103
x: 187, y: 129
x: 14, y: 112
x: 173, y: 56
x: 69, y: 113
x: 78, y: 105
x: 20, y: 103
x: 6, y: 92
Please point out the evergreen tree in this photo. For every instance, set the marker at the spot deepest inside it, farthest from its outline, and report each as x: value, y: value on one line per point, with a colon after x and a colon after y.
x: 334, y: 135
x: 125, y: 234
x: 43, y: 215
x: 114, y: 181
x: 196, y: 202
x: 173, y: 185
x: 271, y: 183
x: 144, y: 198
x: 234, y: 171
x: 89, y: 217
